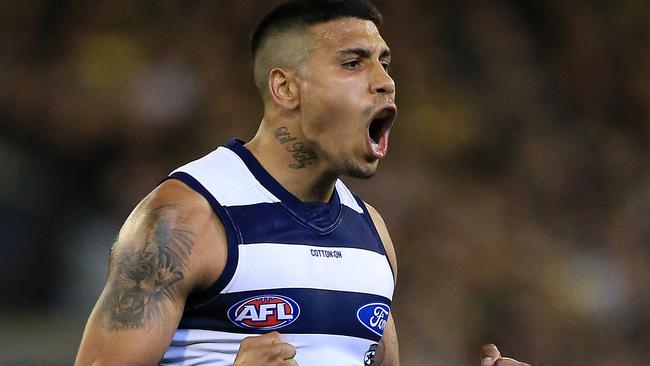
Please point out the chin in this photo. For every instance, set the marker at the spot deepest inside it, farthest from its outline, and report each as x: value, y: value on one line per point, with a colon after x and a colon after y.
x: 363, y: 175
x: 360, y: 171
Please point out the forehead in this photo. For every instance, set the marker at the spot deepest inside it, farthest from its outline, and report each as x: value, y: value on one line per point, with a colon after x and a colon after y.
x: 347, y: 32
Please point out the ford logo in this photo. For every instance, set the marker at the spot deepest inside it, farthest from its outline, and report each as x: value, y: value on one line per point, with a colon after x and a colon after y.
x: 374, y: 317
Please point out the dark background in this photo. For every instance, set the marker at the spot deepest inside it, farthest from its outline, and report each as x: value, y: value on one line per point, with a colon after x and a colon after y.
x: 517, y: 187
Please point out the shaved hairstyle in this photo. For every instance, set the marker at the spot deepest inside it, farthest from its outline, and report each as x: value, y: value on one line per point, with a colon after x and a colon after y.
x: 279, y: 39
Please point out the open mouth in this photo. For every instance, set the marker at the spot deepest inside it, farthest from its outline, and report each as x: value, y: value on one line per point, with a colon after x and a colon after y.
x: 379, y: 129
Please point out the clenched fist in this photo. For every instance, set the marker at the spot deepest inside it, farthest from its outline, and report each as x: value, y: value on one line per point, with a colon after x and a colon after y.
x: 490, y: 356
x: 265, y: 350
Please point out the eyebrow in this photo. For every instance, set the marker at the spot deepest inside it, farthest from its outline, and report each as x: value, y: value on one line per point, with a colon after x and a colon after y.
x: 363, y: 53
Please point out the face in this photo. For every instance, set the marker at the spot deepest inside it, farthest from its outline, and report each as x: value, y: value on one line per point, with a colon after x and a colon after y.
x: 347, y: 98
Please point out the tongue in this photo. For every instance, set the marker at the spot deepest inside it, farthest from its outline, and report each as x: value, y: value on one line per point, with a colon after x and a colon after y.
x: 378, y: 147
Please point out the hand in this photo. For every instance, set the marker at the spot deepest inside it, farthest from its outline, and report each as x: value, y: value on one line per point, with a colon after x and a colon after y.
x: 265, y: 350
x: 490, y: 356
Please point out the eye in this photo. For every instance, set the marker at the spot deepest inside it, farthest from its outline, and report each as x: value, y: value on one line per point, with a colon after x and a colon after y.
x: 352, y: 64
x: 386, y: 66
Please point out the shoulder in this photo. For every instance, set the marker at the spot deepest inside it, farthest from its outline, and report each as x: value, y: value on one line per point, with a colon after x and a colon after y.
x: 178, y: 222
x: 188, y: 206
x: 384, y: 235
x: 171, y: 204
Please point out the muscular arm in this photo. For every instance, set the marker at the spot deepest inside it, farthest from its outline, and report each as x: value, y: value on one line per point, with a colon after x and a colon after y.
x: 157, y: 260
x: 388, y: 353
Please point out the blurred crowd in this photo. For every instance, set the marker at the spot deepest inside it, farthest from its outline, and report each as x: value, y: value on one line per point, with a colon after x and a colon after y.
x: 516, y: 190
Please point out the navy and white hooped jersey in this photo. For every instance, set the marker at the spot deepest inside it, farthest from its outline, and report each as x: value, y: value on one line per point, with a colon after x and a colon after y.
x: 315, y: 272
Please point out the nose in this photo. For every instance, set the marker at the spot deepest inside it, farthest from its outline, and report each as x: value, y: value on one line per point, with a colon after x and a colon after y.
x: 381, y: 82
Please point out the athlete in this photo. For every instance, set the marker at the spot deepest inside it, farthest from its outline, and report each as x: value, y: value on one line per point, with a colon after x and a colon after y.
x: 257, y: 254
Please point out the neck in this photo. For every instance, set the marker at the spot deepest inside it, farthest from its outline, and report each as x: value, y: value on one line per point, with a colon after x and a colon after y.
x: 283, y: 153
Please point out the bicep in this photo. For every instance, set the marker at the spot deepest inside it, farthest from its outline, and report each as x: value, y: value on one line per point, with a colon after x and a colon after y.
x: 142, y: 302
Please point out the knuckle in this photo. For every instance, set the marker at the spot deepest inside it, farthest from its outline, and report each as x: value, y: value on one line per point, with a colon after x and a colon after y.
x: 281, y: 351
x: 281, y: 348
x: 490, y: 350
x: 289, y: 350
x: 243, y: 345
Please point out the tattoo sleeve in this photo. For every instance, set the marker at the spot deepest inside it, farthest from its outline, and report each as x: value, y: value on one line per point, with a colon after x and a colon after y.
x: 144, y: 276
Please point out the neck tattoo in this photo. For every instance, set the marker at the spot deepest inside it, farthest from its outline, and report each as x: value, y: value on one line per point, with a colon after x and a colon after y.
x: 301, y: 154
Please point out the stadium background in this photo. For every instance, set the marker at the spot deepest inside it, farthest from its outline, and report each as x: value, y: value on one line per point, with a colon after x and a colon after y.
x: 517, y: 188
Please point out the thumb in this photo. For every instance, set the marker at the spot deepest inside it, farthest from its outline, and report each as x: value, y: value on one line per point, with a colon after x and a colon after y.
x: 489, y: 354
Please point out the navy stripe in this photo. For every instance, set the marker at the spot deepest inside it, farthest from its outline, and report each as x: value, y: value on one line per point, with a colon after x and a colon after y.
x: 310, y: 214
x: 279, y: 227
x: 199, y: 299
x: 321, y: 312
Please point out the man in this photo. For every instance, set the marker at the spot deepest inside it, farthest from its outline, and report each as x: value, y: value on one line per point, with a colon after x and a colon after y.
x: 257, y: 254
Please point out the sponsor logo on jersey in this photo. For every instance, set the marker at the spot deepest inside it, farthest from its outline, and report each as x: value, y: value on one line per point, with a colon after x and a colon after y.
x: 265, y: 312
x: 336, y: 254
x: 369, y: 357
x: 374, y: 317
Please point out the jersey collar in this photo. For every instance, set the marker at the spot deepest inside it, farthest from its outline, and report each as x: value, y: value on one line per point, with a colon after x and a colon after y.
x: 320, y: 216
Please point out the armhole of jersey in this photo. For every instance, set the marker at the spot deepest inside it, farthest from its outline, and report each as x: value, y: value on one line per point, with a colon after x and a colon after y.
x: 366, y: 215
x: 201, y: 298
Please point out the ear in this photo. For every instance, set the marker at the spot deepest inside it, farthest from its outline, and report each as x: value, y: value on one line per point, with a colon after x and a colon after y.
x: 283, y: 89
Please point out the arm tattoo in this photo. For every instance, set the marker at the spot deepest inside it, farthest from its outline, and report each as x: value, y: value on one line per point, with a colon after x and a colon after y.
x: 298, y: 150
x: 145, y: 276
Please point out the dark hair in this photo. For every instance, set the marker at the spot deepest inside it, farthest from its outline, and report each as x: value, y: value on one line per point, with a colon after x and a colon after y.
x: 296, y: 13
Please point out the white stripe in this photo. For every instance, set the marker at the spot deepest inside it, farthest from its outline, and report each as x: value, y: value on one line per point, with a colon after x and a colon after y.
x: 226, y: 177
x: 203, y: 347
x: 268, y: 266
x: 346, y: 196
x: 240, y: 187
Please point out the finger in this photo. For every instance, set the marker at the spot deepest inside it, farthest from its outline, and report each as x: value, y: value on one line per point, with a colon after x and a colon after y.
x: 489, y: 354
x: 507, y: 361
x: 274, y: 337
x: 290, y: 363
x: 490, y: 350
x: 286, y: 351
x: 487, y: 361
x: 254, y: 341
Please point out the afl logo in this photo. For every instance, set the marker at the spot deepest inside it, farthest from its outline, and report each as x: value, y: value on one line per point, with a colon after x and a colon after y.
x: 264, y: 312
x: 374, y: 317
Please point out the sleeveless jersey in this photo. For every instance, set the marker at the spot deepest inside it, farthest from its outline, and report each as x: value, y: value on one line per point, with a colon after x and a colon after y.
x: 315, y: 272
